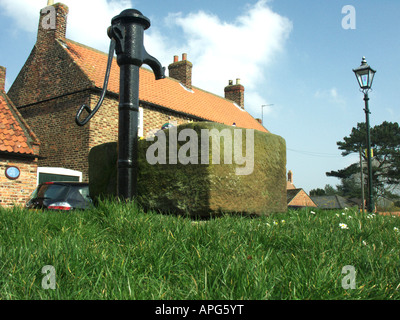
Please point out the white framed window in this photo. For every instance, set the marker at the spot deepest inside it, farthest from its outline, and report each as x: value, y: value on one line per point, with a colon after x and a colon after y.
x: 47, y: 174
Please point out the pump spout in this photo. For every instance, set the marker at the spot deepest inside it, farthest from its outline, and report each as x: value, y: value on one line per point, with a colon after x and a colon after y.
x: 127, y: 29
x: 155, y: 65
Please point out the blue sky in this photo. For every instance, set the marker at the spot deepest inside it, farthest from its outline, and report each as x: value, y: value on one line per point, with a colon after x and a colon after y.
x: 293, y: 54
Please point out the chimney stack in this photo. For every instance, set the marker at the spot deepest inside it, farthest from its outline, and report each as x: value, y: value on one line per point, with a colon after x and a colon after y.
x: 181, y: 70
x: 290, y: 176
x: 2, y: 78
x: 52, y: 23
x: 235, y: 92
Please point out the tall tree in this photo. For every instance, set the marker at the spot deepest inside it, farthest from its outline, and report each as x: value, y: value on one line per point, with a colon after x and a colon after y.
x: 385, y: 141
x: 317, y: 192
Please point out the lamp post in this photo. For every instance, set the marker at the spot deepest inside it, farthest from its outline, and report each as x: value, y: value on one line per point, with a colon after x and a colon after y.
x: 365, y: 76
x: 262, y: 112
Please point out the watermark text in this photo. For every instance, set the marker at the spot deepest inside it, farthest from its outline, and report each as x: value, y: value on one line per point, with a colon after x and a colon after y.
x: 197, y: 148
x: 49, y: 281
x: 349, y: 281
x: 349, y: 20
x: 49, y: 20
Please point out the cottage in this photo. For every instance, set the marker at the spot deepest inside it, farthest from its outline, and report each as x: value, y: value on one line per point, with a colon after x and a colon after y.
x: 19, y: 152
x: 60, y: 75
x: 297, y: 197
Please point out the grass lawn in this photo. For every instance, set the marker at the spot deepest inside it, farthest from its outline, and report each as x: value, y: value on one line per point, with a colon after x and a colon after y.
x: 118, y: 252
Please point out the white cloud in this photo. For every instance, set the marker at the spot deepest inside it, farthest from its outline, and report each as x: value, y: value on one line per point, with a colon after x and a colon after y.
x: 331, y: 96
x: 88, y: 20
x: 390, y: 111
x: 25, y: 13
x: 219, y: 50
x: 223, y: 51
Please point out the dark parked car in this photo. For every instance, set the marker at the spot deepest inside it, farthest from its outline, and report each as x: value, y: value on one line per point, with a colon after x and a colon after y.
x: 60, y: 196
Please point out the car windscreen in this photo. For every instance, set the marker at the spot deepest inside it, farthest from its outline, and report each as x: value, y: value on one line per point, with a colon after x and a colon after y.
x: 79, y: 194
x: 52, y: 191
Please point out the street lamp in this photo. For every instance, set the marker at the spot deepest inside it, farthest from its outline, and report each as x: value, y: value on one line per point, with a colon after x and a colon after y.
x: 365, y: 76
x: 262, y: 112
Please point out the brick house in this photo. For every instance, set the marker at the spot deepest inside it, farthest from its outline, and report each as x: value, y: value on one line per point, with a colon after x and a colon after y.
x: 19, y: 152
x: 289, y: 182
x: 297, y: 197
x: 60, y: 75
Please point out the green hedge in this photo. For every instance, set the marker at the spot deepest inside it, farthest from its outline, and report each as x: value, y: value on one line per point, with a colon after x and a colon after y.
x: 201, y: 189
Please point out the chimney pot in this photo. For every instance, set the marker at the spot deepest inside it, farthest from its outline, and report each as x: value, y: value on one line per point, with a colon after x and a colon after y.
x: 181, y: 71
x: 235, y: 92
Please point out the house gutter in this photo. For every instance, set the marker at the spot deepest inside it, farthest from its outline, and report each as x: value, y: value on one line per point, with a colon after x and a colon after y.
x: 21, y: 155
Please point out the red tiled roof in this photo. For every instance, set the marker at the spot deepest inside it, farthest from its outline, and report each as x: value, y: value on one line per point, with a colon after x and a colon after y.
x: 290, y: 186
x: 15, y: 135
x: 299, y: 198
x: 167, y: 92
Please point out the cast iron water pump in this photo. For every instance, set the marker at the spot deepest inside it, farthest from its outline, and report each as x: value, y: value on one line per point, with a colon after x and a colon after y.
x: 126, y: 33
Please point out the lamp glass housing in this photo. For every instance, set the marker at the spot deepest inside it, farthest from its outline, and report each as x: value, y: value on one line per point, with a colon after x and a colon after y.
x: 365, y: 75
